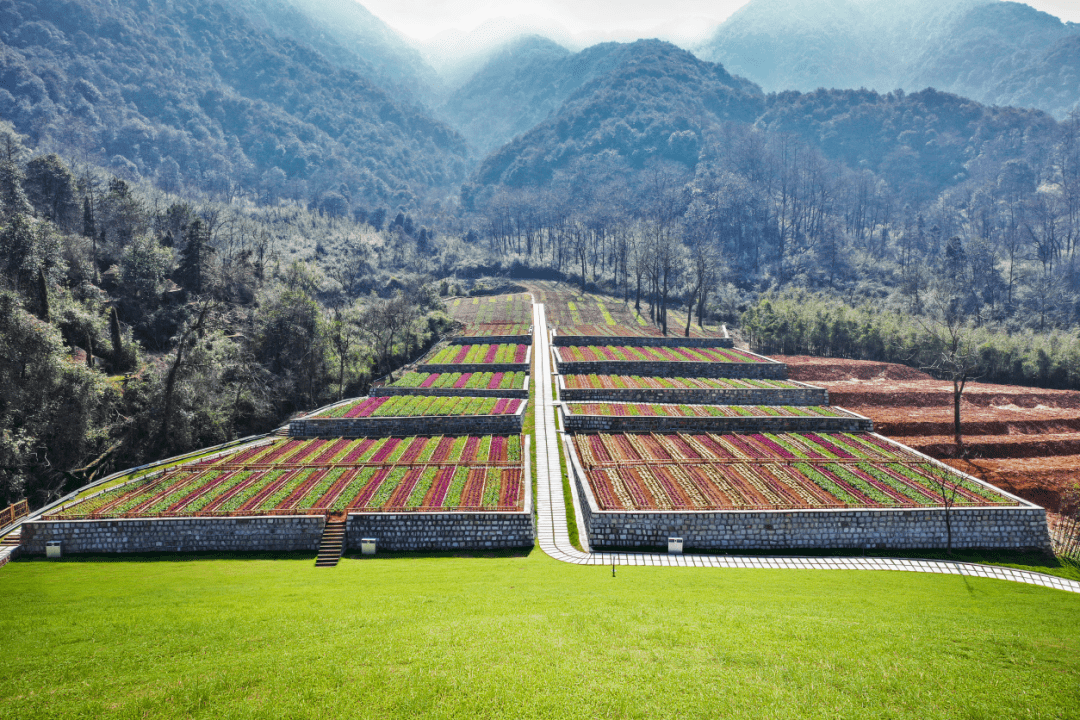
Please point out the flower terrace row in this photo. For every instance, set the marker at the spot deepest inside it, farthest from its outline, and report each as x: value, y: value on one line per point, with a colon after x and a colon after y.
x: 666, y: 410
x: 494, y: 309
x: 594, y: 353
x: 488, y: 329
x: 483, y: 353
x: 779, y: 486
x: 637, y: 382
x: 476, y: 381
x: 623, y: 448
x: 413, y: 405
x: 461, y: 449
x: 376, y: 488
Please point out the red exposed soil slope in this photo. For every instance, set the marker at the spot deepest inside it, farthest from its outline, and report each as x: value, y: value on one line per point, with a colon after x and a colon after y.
x: 1024, y: 440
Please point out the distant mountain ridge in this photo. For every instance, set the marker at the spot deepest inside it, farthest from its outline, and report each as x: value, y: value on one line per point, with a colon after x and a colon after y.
x: 526, y: 81
x: 998, y: 53
x: 664, y: 103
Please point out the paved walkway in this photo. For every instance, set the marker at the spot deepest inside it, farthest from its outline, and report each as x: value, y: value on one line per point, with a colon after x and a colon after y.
x: 555, y: 539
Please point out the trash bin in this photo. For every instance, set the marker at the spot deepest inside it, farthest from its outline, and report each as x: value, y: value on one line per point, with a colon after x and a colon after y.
x: 674, y: 546
x: 367, y: 546
x: 52, y: 548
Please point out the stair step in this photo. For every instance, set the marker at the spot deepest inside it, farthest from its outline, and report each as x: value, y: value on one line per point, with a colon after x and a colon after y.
x: 332, y: 544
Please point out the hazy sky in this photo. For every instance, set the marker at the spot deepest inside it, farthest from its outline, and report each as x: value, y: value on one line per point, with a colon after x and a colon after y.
x: 590, y: 19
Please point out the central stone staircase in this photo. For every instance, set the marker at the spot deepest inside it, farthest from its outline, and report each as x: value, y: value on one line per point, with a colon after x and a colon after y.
x: 333, y: 542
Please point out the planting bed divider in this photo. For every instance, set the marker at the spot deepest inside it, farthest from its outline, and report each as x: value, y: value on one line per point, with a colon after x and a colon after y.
x: 478, y: 367
x: 796, y: 393
x: 642, y: 340
x: 1020, y: 526
x: 844, y: 421
x: 522, y: 394
x: 762, y: 370
x: 415, y: 425
x: 499, y: 339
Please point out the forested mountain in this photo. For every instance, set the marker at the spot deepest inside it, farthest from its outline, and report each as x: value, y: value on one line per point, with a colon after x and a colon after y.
x: 191, y: 92
x: 657, y: 101
x: 999, y: 53
x: 662, y: 102
x: 345, y: 32
x: 800, y: 45
x: 523, y: 83
x: 1005, y: 53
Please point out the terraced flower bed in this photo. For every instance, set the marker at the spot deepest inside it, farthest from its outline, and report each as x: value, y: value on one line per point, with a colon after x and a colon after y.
x: 626, y: 353
x: 480, y: 354
x: 728, y: 411
x: 493, y: 329
x: 637, y: 382
x: 424, y: 474
x: 478, y: 381
x: 782, y: 471
x: 413, y: 405
x: 494, y: 309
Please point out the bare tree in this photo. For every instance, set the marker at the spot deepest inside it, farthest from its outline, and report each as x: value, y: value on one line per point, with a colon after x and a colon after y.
x: 957, y: 358
x: 384, y: 322
x: 949, y: 492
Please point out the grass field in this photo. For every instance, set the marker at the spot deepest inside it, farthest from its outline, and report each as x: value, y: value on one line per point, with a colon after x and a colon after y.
x: 525, y: 636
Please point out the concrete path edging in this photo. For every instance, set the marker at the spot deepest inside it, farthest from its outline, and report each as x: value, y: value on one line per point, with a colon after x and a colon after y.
x: 554, y: 538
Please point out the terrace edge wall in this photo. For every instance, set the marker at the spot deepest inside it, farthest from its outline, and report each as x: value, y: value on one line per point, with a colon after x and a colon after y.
x: 283, y: 533
x: 849, y: 422
x: 641, y: 341
x: 770, y: 370
x: 806, y: 395
x: 426, y: 532
x: 902, y: 529
x: 385, y: 390
x: 414, y: 425
x: 490, y: 339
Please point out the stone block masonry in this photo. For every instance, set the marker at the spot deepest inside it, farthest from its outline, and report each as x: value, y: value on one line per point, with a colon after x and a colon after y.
x: 1021, y: 527
x: 492, y: 339
x: 805, y: 395
x: 771, y: 370
x: 450, y: 392
x: 1011, y: 528
x: 847, y: 422
x: 473, y: 367
x: 267, y: 534
x: 403, y: 426
x: 642, y: 341
x: 426, y: 532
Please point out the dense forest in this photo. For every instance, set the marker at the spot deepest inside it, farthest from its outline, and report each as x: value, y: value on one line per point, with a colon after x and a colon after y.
x: 214, y: 216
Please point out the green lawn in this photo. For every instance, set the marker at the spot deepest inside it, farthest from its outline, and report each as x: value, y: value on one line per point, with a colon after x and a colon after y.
x: 525, y: 636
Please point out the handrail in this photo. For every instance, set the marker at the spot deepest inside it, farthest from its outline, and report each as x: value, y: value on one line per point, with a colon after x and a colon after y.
x: 14, y: 512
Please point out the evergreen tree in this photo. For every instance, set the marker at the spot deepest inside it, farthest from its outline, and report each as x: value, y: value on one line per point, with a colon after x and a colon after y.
x: 13, y: 199
x: 195, y: 258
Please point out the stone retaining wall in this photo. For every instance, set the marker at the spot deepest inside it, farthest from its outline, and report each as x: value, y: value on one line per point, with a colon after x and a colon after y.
x: 490, y: 339
x: 411, y: 532
x: 418, y: 425
x: 645, y: 341
x: 758, y: 371
x: 806, y: 395
x: 1021, y: 527
x: 473, y: 367
x: 452, y: 392
x: 848, y: 422
x: 269, y: 534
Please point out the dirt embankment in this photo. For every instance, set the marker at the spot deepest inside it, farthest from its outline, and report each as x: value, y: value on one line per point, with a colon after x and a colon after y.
x: 1024, y: 440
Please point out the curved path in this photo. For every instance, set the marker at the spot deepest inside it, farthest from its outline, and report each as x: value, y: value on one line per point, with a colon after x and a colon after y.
x: 555, y: 540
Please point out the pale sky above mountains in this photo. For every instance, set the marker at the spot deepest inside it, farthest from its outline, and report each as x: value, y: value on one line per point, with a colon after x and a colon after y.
x: 583, y: 22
